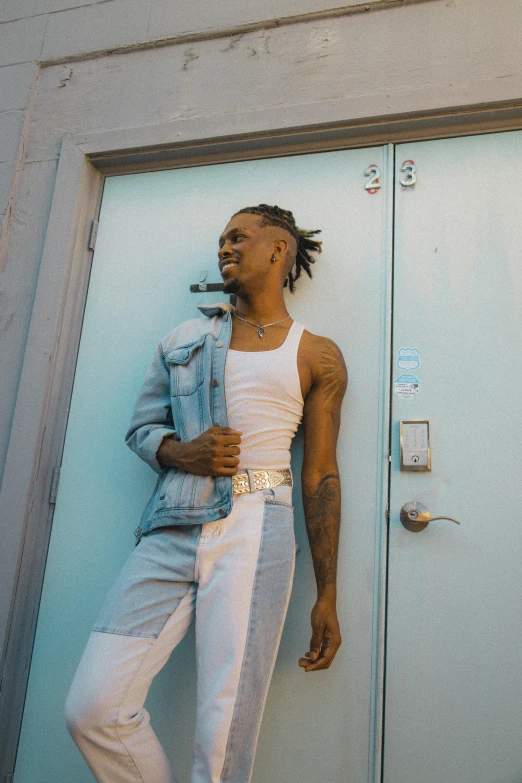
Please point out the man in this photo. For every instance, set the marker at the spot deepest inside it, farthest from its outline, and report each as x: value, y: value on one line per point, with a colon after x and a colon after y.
x: 216, y: 538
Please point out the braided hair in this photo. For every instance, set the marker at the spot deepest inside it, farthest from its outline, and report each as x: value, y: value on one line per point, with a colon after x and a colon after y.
x: 275, y: 216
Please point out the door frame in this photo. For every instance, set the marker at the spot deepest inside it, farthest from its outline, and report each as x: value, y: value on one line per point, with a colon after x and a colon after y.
x: 42, y: 407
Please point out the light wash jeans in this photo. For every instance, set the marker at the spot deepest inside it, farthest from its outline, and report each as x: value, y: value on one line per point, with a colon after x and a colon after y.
x: 236, y: 575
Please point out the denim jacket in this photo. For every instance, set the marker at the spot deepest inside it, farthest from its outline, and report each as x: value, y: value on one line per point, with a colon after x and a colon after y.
x: 183, y: 394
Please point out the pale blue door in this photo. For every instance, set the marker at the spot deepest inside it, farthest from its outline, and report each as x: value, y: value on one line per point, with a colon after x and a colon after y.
x: 454, y: 674
x: 157, y: 232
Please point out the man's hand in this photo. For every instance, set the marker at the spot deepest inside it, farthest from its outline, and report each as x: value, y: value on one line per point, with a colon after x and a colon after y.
x: 326, y: 636
x: 213, y: 453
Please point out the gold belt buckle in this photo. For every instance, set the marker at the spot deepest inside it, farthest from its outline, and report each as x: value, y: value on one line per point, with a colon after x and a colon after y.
x: 263, y: 479
x: 240, y: 483
x: 279, y: 477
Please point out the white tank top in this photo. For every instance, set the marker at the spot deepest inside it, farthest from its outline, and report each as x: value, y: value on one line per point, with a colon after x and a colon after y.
x: 264, y: 401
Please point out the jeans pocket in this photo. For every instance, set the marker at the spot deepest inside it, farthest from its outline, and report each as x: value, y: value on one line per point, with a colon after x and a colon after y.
x: 281, y: 495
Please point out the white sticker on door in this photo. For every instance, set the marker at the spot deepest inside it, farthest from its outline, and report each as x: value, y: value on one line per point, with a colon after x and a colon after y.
x: 407, y: 386
x: 408, y: 358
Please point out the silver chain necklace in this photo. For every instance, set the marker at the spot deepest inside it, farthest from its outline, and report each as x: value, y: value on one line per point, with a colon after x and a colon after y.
x: 260, y: 328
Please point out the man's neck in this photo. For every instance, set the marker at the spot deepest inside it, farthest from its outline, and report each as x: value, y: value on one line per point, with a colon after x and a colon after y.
x: 261, y: 309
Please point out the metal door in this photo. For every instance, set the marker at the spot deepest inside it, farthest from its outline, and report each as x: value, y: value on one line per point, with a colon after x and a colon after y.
x: 157, y: 232
x: 454, y: 629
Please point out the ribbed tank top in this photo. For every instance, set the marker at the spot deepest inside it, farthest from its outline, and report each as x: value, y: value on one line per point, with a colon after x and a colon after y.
x: 264, y: 401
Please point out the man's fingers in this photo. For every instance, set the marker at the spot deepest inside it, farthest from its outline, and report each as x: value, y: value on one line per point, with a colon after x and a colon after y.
x: 225, y: 471
x: 226, y: 434
x: 315, y: 644
x: 229, y: 462
x: 324, y: 660
x: 322, y: 657
x: 227, y: 441
x: 231, y: 450
x: 226, y: 430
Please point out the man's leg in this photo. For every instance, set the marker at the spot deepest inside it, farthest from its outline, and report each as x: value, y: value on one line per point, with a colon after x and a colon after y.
x: 146, y: 614
x: 245, y: 571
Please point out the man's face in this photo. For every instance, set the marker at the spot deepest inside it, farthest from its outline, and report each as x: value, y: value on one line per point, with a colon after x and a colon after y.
x: 245, y: 250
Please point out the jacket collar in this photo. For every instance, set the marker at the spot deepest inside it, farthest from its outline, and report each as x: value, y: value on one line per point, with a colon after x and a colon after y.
x: 216, y: 309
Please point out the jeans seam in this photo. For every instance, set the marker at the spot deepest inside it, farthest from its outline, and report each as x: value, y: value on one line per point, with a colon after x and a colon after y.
x: 278, y: 642
x: 245, y: 651
x: 278, y: 503
x: 155, y: 639
x: 119, y: 711
x: 243, y: 662
x: 96, y: 629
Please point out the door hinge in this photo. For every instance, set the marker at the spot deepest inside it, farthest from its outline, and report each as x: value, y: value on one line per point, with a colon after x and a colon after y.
x: 387, y: 512
x: 93, y: 233
x: 54, y: 486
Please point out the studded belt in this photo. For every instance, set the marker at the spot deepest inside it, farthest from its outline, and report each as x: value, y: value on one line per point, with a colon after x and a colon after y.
x: 262, y: 480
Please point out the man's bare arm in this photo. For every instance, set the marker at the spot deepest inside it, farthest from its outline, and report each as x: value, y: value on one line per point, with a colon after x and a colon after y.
x: 322, y: 496
x: 322, y: 513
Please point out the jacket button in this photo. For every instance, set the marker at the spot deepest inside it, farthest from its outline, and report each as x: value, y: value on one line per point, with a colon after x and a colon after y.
x: 222, y: 512
x: 138, y: 531
x: 225, y: 316
x: 219, y: 344
x: 215, y: 382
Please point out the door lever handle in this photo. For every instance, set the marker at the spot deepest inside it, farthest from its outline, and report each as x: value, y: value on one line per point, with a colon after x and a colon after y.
x: 415, y: 517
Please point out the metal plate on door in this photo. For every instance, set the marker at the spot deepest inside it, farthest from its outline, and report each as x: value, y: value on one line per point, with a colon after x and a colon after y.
x: 415, y: 445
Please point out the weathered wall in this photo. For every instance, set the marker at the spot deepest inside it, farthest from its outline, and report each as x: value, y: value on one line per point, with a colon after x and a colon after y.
x: 230, y: 69
x: 33, y: 31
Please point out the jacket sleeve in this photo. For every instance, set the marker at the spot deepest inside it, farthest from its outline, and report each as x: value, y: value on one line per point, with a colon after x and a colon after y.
x: 152, y: 418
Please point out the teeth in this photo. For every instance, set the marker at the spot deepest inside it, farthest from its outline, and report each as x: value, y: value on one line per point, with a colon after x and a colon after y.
x: 231, y: 263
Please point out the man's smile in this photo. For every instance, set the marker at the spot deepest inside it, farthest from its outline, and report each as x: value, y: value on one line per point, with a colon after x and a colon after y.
x: 228, y: 264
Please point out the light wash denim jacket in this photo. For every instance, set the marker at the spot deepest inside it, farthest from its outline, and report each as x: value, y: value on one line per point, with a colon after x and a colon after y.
x: 183, y: 394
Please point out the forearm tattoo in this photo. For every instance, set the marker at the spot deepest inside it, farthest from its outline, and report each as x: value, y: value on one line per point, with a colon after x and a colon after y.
x: 322, y: 516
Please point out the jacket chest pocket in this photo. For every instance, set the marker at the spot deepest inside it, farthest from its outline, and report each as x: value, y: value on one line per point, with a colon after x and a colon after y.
x: 186, y: 368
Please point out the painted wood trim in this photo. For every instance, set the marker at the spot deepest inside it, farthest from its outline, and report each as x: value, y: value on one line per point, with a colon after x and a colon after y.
x: 39, y: 425
x: 134, y: 150
x: 376, y: 727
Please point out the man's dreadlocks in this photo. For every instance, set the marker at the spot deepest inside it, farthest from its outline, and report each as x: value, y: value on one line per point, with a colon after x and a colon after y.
x: 275, y: 216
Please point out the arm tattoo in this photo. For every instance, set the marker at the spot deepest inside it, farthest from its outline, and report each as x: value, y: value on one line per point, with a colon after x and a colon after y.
x: 333, y: 372
x: 322, y: 515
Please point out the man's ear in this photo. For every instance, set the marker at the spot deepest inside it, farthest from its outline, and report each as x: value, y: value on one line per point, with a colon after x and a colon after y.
x: 288, y: 253
x: 281, y: 247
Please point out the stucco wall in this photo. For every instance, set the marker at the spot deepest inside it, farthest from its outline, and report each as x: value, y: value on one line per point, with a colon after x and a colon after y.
x: 33, y: 31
